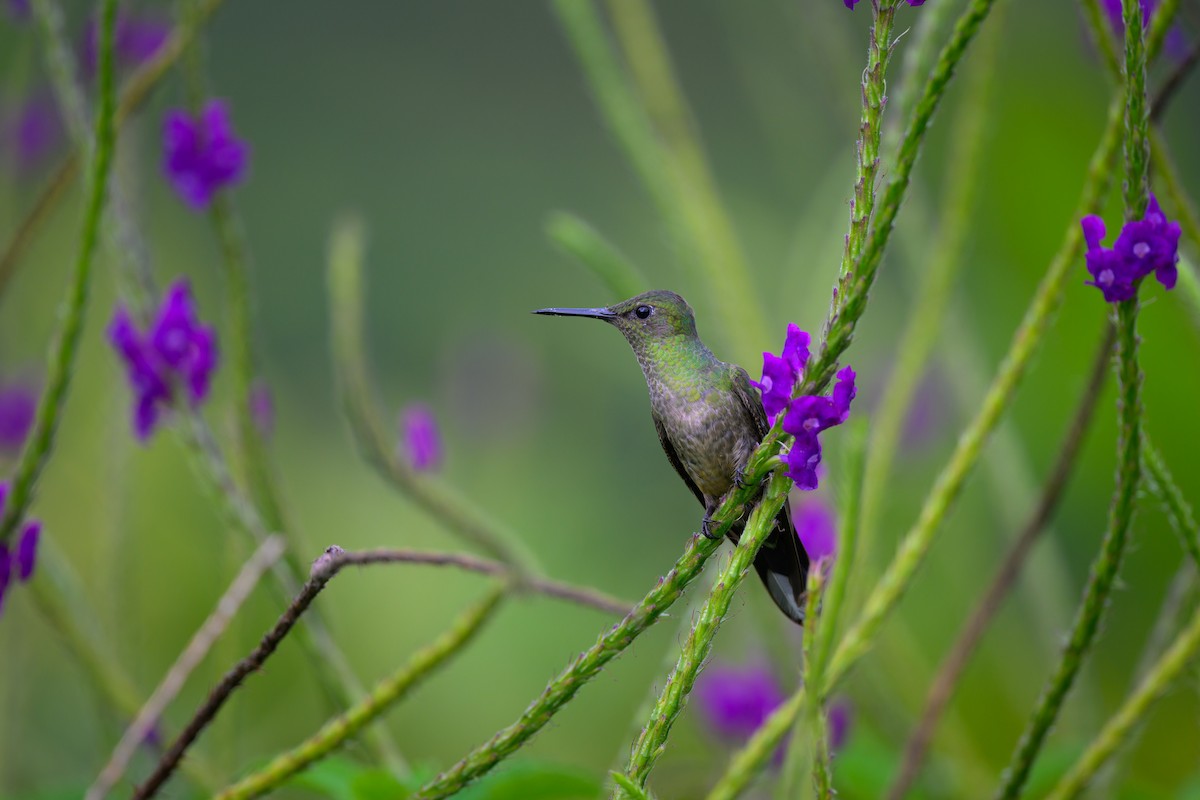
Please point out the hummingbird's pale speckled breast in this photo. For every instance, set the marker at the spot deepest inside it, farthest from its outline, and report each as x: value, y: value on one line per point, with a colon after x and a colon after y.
x: 695, y: 414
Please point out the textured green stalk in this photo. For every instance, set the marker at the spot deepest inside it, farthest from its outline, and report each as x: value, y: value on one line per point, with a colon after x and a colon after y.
x: 1178, y: 511
x: 60, y: 600
x: 588, y: 664
x: 651, y: 744
x: 382, y: 697
x: 819, y: 633
x: 133, y: 94
x: 708, y: 228
x: 597, y: 254
x: 919, y: 49
x: 61, y: 361
x: 1119, y: 727
x: 630, y: 787
x: 438, y: 499
x: 852, y: 294
x: 938, y: 274
x: 870, y: 132
x: 749, y: 762
x: 1107, y: 565
x: 849, y: 534
x: 887, y: 592
x: 807, y: 751
x: 61, y: 65
x: 260, y: 478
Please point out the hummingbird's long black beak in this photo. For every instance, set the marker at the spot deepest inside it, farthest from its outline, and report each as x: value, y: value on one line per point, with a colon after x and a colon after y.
x: 596, y: 313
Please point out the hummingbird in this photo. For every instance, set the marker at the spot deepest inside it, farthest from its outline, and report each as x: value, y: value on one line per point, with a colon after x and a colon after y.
x: 709, y: 420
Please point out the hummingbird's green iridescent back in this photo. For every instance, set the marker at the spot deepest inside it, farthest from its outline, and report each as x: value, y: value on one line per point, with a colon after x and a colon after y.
x: 709, y: 420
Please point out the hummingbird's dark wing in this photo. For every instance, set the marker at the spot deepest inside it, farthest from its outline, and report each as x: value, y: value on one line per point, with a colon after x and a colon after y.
x: 782, y: 562
x: 669, y: 449
x: 751, y: 401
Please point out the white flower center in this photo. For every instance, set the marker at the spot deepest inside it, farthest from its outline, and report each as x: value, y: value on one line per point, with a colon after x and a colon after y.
x: 1141, y: 249
x: 1105, y: 278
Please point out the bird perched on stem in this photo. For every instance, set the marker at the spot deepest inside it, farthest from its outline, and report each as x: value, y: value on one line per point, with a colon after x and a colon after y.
x: 709, y: 420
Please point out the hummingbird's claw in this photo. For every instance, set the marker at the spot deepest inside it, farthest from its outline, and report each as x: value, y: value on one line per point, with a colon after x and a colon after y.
x: 739, y: 478
x: 706, y: 528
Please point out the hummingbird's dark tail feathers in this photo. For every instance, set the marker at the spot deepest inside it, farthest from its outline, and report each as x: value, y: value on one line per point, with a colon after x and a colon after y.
x: 782, y: 564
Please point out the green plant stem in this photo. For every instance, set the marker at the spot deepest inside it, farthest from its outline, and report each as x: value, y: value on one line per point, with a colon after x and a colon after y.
x: 652, y: 742
x: 585, y: 244
x: 585, y: 666
x: 1176, y: 506
x: 59, y: 598
x: 440, y: 500
x: 1107, y: 564
x: 954, y: 664
x: 819, y: 633
x: 695, y: 193
x: 920, y: 47
x: 588, y: 664
x: 386, y: 693
x: 133, y: 94
x: 938, y: 274
x: 1121, y: 725
x: 260, y: 478
x: 887, y: 592
x: 870, y: 131
x: 61, y: 360
x: 852, y: 296
x: 808, y: 750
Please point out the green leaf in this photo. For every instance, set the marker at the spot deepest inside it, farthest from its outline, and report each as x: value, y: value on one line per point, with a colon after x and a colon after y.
x: 526, y: 780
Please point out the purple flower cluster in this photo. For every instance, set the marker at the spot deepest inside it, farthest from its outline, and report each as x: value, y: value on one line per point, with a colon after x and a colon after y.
x: 31, y: 130
x: 18, y: 563
x: 176, y: 348
x: 421, y: 442
x: 805, y: 416
x: 817, y: 528
x: 1144, y: 246
x: 136, y: 39
x: 1175, y: 43
x: 202, y: 155
x: 852, y: 3
x: 735, y: 701
x: 18, y: 9
x: 18, y: 407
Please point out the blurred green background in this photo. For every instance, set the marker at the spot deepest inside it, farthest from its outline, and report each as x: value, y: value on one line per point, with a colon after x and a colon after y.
x: 454, y: 128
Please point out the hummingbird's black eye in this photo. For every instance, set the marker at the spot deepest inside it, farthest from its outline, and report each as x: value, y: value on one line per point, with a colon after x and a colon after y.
x: 643, y: 311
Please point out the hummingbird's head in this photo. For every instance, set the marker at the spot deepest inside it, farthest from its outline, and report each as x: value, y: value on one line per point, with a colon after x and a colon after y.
x: 656, y: 314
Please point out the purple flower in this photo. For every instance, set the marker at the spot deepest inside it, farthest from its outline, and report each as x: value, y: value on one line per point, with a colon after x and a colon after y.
x: 735, y: 701
x: 135, y: 41
x: 816, y: 527
x: 262, y: 408
x: 1148, y: 245
x: 5, y: 572
x: 202, y: 155
x: 18, y: 407
x: 1175, y: 43
x: 26, y: 558
x: 176, y: 348
x: 840, y: 719
x: 420, y: 439
x: 806, y: 417
x: 18, y: 9
x: 780, y: 373
x: 32, y: 131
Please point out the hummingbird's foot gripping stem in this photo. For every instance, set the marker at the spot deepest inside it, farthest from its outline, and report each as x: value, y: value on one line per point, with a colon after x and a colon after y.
x: 706, y: 528
x: 739, y: 478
